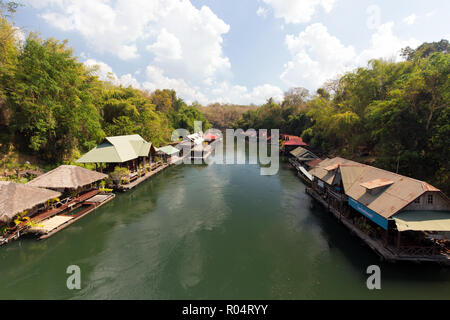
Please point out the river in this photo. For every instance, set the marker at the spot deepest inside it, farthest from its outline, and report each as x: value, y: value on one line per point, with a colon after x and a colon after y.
x: 210, y: 232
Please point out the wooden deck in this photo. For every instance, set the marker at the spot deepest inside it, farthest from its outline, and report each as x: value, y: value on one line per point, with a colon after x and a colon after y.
x: 138, y: 181
x: 53, y: 225
x: 23, y: 228
x: 53, y: 212
x: 384, y: 252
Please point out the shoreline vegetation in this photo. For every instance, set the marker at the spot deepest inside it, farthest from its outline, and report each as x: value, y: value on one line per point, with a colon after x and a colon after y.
x: 53, y: 108
x: 393, y: 115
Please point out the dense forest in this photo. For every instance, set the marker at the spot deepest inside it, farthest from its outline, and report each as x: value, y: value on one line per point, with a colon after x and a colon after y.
x: 55, y: 108
x: 222, y: 116
x: 394, y: 115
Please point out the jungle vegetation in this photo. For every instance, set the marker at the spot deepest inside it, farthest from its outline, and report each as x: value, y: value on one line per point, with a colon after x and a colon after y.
x: 394, y: 115
x: 55, y: 108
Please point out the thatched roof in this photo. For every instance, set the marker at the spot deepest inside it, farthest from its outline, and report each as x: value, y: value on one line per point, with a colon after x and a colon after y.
x: 67, y: 177
x: 15, y: 198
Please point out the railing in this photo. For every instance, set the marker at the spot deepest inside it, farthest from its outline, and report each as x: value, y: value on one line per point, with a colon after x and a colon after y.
x: 418, y: 251
x: 337, y: 196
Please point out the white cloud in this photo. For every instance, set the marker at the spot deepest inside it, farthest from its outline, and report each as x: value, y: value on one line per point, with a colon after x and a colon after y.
x: 106, y: 73
x: 317, y: 56
x: 184, y: 45
x: 167, y: 46
x: 185, y: 41
x: 227, y: 93
x: 156, y: 79
x: 410, y: 19
x: 19, y: 35
x: 298, y: 11
x: 262, y: 12
x: 222, y: 92
x: 385, y: 44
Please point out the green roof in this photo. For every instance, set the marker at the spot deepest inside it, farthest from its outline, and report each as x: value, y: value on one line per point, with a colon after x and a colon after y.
x: 118, y: 150
x: 169, y: 150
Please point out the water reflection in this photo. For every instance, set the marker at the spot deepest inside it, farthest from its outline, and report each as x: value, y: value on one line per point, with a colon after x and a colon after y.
x: 210, y: 232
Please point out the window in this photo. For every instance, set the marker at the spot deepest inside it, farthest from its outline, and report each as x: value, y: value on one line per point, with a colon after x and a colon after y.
x: 430, y: 199
x: 417, y: 200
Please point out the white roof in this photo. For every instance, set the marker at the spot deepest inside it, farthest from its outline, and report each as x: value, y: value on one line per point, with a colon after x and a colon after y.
x: 196, y: 138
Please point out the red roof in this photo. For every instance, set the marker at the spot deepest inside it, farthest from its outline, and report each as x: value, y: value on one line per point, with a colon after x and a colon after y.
x: 295, y: 143
x: 210, y: 136
x: 289, y: 137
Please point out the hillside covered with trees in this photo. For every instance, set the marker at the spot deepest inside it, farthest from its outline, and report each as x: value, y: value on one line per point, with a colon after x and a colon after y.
x: 395, y: 115
x: 55, y: 108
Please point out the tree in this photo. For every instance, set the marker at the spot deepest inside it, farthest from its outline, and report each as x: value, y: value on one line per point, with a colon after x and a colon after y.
x: 295, y: 98
x: 425, y: 50
x: 8, y: 8
x: 53, y: 113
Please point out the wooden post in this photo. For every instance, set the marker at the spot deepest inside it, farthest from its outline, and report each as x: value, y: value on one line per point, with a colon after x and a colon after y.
x: 386, y: 238
x: 399, y: 236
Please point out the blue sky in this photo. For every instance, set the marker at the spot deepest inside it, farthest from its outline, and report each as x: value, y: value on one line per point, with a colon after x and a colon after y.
x: 234, y: 51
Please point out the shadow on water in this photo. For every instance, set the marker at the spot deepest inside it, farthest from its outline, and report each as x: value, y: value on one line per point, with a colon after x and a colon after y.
x: 401, y: 280
x: 210, y: 232
x: 32, y: 269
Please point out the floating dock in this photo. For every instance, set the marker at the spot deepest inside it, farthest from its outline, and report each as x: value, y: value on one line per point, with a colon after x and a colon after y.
x: 48, y: 227
x: 138, y: 181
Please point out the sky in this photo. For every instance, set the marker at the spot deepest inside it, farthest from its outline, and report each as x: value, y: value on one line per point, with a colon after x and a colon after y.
x: 234, y: 51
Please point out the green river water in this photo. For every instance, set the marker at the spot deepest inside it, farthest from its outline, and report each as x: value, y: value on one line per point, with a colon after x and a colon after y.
x: 210, y: 232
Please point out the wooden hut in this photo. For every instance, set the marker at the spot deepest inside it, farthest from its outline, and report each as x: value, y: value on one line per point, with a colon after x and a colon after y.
x: 169, y: 154
x: 401, y: 217
x: 68, y: 179
x: 128, y: 151
x: 82, y: 197
x: 290, y: 142
x: 18, y: 199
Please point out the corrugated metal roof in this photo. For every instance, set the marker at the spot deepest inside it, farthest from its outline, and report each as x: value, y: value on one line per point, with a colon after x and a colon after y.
x: 118, y: 150
x: 295, y: 143
x: 314, y: 163
x: 303, y: 154
x: 391, y: 198
x: 377, y: 183
x: 169, y: 150
x: 328, y: 176
x: 142, y: 148
x: 105, y: 152
x: 332, y: 167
